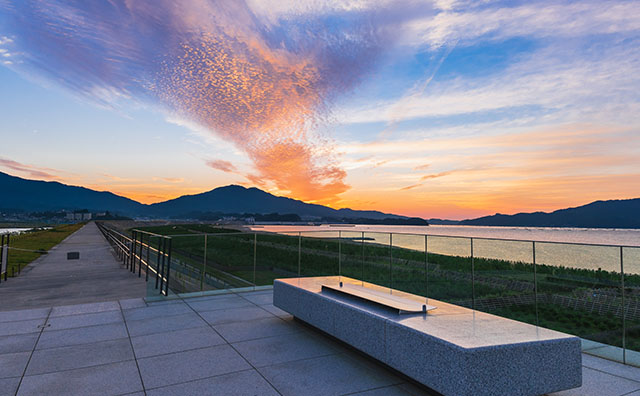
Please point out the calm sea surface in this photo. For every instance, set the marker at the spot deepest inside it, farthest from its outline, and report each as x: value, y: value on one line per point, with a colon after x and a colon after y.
x: 554, y: 246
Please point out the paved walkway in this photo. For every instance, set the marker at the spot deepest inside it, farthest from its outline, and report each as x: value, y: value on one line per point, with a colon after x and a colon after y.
x: 52, y: 280
x: 231, y: 344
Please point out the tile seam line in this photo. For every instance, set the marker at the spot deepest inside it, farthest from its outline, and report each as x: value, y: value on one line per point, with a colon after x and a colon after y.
x: 200, y: 379
x: 83, y: 343
x: 82, y: 368
x: 613, y: 375
x: 239, y: 354
x: 31, y: 354
x: 628, y: 393
x: 372, y: 389
x: 133, y: 351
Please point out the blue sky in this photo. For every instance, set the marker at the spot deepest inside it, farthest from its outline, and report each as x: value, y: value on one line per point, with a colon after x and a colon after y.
x: 437, y: 109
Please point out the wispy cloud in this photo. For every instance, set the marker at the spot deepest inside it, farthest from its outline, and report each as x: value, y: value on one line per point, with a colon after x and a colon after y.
x: 222, y: 165
x: 29, y: 170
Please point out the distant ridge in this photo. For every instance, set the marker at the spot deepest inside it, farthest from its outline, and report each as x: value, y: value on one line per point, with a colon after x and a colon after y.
x: 618, y: 213
x: 18, y: 194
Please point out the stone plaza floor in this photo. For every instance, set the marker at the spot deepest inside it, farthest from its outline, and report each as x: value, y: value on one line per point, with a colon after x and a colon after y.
x: 227, y: 344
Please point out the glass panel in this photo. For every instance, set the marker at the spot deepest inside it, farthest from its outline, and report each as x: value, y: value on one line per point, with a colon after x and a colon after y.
x: 319, y: 254
x: 351, y: 248
x: 229, y: 260
x: 375, y: 261
x: 449, y: 275
x: 408, y: 263
x: 276, y: 257
x: 631, y: 256
x: 187, y: 255
x: 504, y: 279
x: 579, y: 290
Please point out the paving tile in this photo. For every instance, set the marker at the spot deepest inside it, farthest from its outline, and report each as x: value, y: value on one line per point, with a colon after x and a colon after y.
x: 234, y: 315
x: 416, y: 390
x: 18, y: 343
x: 108, y: 379
x: 243, y: 383
x: 25, y: 314
x: 283, y: 348
x: 261, y: 328
x: 84, y: 308
x: 329, y: 375
x: 163, y: 324
x: 81, y: 335
x: 190, y: 365
x: 78, y: 356
x: 21, y: 327
x: 175, y: 341
x: 83, y: 320
x: 596, y: 383
x: 259, y: 299
x: 156, y: 311
x: 9, y: 386
x: 276, y: 311
x: 219, y: 303
x: 131, y: 303
x: 13, y: 364
x: 615, y: 368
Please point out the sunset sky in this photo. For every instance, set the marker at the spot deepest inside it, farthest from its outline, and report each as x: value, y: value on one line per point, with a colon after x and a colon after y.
x: 450, y: 109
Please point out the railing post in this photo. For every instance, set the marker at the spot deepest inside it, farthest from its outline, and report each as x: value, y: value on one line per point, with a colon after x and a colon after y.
x: 426, y: 269
x: 204, y: 264
x: 299, y: 251
x: 473, y: 279
x: 6, y: 257
x: 158, y: 261
x: 161, y: 269
x: 255, y: 257
x: 1, y: 256
x: 362, y: 243
x: 340, y: 255
x: 535, y: 282
x: 140, y: 242
x: 146, y: 276
x: 168, y: 268
x: 624, y: 311
x: 390, y: 263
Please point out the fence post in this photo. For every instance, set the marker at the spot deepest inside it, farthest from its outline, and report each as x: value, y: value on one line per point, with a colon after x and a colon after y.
x: 390, y: 263
x: 362, y: 243
x: 146, y: 276
x: 204, y: 264
x: 473, y: 279
x: 624, y: 311
x: 168, y: 268
x: 6, y: 257
x: 1, y: 256
x: 426, y: 269
x: 141, y: 243
x: 161, y: 263
x: 299, y: 251
x: 158, y: 262
x: 535, y: 283
x: 340, y: 255
x: 255, y: 252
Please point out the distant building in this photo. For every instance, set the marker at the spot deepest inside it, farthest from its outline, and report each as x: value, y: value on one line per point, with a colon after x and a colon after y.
x: 79, y: 216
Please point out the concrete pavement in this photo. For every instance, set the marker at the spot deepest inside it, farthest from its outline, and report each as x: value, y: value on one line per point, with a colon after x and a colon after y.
x: 52, y: 280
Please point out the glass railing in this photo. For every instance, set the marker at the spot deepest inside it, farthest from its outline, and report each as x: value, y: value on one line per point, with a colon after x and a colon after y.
x: 591, y: 291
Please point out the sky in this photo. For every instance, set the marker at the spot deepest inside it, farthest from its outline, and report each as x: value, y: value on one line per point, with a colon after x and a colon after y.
x: 437, y: 109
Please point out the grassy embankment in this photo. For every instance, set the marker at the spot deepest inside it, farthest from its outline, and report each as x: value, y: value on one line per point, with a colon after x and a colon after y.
x: 448, y: 277
x: 37, y: 243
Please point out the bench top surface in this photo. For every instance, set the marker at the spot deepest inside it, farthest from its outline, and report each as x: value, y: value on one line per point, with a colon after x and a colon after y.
x: 402, y: 304
x: 458, y: 325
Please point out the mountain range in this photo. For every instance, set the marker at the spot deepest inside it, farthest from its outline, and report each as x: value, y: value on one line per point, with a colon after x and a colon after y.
x: 18, y: 194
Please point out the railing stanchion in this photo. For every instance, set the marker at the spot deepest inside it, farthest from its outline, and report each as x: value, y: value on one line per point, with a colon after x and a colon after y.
x: 390, y: 263
x: 473, y: 279
x: 426, y: 269
x: 624, y: 311
x: 204, y: 264
x: 161, y: 272
x: 362, y: 243
x: 340, y: 256
x: 158, y: 261
x: 1, y: 256
x: 146, y: 276
x: 140, y: 242
x: 299, y: 251
x: 168, y: 268
x: 535, y: 282
x: 255, y: 257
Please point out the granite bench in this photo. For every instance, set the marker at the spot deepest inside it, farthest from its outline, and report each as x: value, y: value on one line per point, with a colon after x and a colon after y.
x: 450, y: 349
